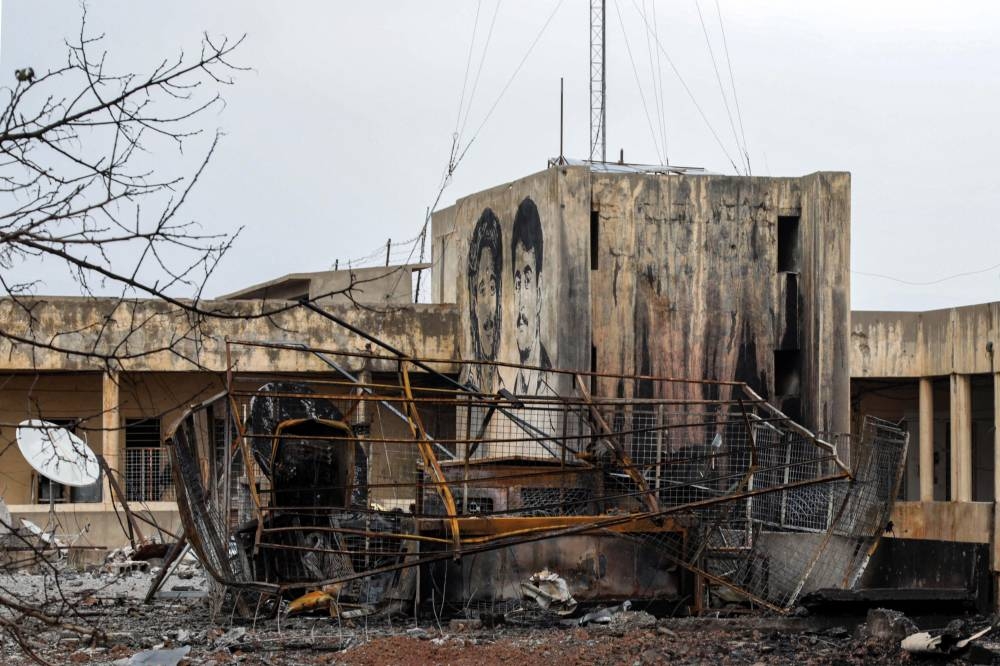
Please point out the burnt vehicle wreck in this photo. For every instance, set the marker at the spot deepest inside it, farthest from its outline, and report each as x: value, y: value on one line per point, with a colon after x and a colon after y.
x: 367, y: 491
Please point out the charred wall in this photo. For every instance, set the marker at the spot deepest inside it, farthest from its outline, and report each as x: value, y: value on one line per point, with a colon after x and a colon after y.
x: 725, y: 278
x: 688, y: 276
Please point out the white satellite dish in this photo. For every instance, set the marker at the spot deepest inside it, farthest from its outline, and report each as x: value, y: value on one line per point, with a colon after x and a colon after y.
x: 57, y: 454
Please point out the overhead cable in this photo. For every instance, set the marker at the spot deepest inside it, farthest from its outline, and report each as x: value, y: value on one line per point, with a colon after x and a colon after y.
x: 918, y: 283
x: 663, y: 104
x: 687, y: 89
x: 638, y: 83
x: 718, y: 78
x: 507, y: 85
x: 732, y: 83
x: 479, y: 70
x: 468, y: 65
x: 653, y: 55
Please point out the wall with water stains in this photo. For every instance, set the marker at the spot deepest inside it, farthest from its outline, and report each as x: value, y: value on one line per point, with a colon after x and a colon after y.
x: 150, y: 335
x: 687, y: 276
x: 925, y: 344
x: 724, y: 278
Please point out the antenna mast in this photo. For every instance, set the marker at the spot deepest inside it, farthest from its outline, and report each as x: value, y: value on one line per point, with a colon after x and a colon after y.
x: 598, y: 86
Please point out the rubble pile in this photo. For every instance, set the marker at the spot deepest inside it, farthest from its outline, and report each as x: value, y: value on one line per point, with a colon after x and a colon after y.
x: 182, y: 630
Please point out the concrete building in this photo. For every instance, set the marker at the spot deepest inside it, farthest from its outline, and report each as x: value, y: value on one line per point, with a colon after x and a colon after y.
x: 381, y: 285
x: 659, y: 271
x: 616, y: 268
x: 936, y: 371
x: 123, y: 411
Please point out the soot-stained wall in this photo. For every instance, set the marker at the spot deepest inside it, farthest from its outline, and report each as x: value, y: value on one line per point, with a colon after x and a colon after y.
x: 683, y: 276
x: 722, y: 278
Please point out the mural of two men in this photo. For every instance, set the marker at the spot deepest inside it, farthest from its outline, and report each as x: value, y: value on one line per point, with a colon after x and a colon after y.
x: 486, y: 277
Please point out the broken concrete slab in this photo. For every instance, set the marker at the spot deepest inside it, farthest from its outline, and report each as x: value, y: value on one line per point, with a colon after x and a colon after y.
x: 883, y: 624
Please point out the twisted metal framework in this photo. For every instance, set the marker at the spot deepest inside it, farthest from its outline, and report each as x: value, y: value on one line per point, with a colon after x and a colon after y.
x: 351, y: 480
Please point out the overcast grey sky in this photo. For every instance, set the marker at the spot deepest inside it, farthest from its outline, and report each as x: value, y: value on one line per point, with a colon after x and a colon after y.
x: 338, y: 138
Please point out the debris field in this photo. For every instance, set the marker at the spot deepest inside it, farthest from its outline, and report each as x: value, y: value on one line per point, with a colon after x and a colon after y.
x: 179, y: 624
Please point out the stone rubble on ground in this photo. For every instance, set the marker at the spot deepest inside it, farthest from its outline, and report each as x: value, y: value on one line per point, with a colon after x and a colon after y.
x: 185, y: 631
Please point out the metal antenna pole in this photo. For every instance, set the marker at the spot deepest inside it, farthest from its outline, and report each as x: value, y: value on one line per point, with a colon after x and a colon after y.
x: 560, y: 119
x: 562, y: 155
x: 598, y: 84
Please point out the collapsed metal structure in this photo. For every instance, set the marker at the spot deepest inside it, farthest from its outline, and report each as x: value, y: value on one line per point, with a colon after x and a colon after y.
x: 385, y: 489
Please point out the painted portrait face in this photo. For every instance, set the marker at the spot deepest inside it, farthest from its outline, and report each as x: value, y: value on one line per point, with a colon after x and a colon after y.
x: 527, y: 299
x: 486, y: 306
x: 485, y: 289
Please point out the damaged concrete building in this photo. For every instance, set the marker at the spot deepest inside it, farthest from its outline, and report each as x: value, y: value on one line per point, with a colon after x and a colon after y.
x: 570, y: 293
x: 675, y: 273
x: 124, y: 414
x: 935, y: 373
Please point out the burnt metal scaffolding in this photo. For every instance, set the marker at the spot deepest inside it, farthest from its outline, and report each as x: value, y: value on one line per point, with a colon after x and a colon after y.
x: 355, y: 480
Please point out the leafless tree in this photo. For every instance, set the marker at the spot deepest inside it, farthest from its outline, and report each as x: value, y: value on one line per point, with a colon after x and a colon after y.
x: 83, y: 187
x: 95, y: 170
x: 81, y: 149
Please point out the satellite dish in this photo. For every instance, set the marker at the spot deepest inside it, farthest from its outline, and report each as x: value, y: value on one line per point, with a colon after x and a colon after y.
x: 57, y: 454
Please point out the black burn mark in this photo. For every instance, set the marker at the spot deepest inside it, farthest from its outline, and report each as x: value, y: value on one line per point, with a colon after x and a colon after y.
x: 746, y: 363
x: 614, y: 278
x: 619, y: 419
x: 644, y: 387
x: 711, y: 391
x: 711, y: 341
x: 790, y: 335
x: 652, y: 276
x: 754, y: 240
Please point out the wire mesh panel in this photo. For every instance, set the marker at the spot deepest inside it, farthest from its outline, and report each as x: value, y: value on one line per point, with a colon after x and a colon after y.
x: 147, y: 474
x: 347, y: 480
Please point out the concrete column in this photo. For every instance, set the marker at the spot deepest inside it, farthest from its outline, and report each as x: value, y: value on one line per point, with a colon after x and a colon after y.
x: 926, y: 460
x: 996, y: 438
x: 961, y: 438
x: 995, y: 545
x: 111, y: 439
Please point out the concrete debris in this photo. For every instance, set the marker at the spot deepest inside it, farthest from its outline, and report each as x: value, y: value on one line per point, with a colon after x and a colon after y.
x: 550, y: 591
x: 159, y: 657
x: 946, y: 643
x: 122, y: 561
x: 230, y: 638
x: 180, y: 636
x: 47, y: 538
x: 883, y: 624
x: 188, y: 566
x: 601, y: 615
x: 136, y: 633
x: 6, y: 521
x: 122, y: 554
x: 355, y: 613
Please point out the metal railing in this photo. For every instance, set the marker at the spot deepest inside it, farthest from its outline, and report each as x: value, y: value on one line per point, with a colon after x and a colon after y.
x: 147, y: 475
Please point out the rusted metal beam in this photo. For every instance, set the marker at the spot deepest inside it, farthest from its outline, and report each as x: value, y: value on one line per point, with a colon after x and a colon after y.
x: 175, y: 552
x: 427, y: 453
x: 116, y: 491
x: 499, y: 526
